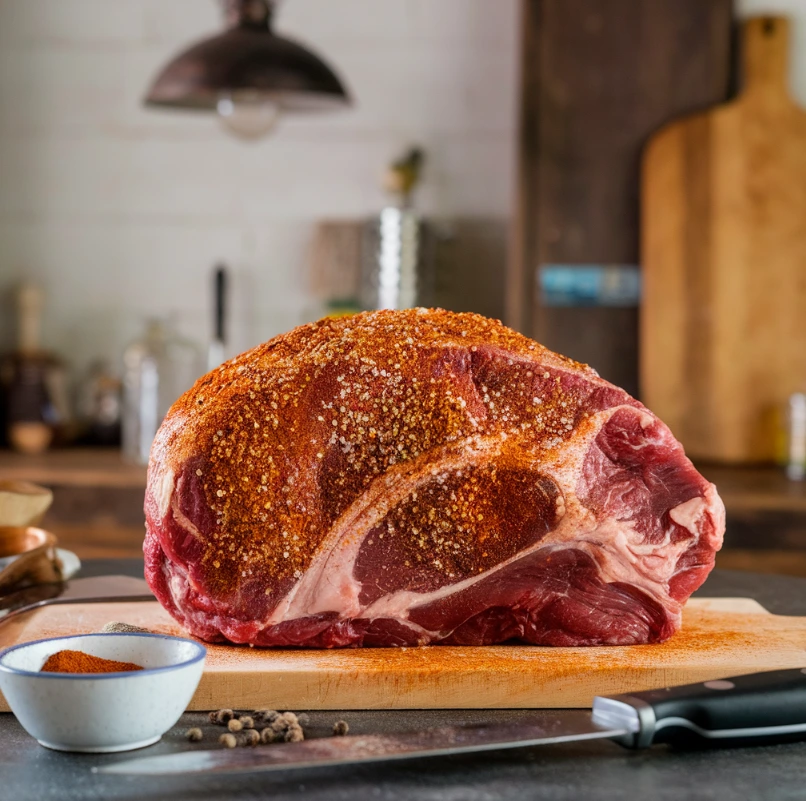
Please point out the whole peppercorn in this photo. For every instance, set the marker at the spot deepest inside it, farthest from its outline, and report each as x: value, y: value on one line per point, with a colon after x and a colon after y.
x: 294, y: 734
x: 340, y: 728
x: 194, y: 735
x: 234, y: 725
x: 265, y: 716
x: 250, y: 737
x: 228, y: 740
x: 279, y: 725
x: 222, y: 716
x: 247, y: 722
x: 267, y: 735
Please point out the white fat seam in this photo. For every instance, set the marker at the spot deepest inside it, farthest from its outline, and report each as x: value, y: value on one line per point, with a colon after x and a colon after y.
x: 165, y: 490
x: 179, y: 579
x: 646, y: 420
x: 184, y: 523
x: 328, y: 584
x: 177, y: 584
x: 688, y: 513
x: 610, y: 543
x: 619, y: 551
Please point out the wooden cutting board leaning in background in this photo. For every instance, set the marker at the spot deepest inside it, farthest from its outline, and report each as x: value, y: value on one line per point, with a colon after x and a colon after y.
x: 723, y: 318
x: 720, y: 637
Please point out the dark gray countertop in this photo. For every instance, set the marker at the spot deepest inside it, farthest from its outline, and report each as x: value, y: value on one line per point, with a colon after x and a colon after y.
x: 591, y: 771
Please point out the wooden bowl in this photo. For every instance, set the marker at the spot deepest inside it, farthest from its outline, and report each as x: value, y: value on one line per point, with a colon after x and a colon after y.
x: 23, y: 503
x: 36, y: 559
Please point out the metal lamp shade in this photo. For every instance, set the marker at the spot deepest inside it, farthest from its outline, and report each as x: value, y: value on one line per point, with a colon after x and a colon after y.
x: 248, y: 58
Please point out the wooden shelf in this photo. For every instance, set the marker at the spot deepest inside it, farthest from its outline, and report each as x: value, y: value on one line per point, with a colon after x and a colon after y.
x: 73, y: 467
x: 756, y: 489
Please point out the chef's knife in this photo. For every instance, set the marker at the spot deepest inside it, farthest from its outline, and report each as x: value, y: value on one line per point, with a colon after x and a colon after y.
x: 95, y: 589
x: 216, y: 351
x: 743, y: 710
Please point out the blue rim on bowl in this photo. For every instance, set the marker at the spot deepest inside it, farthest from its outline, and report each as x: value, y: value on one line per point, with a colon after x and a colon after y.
x: 102, y: 712
x: 201, y: 653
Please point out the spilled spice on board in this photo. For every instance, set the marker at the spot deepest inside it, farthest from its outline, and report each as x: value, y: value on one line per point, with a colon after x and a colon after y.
x: 78, y: 662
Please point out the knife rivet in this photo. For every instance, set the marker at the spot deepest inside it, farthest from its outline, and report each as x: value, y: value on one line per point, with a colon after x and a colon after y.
x: 719, y: 684
x: 803, y: 670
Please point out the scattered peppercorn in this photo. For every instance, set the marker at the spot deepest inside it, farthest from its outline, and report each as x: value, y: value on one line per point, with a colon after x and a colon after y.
x: 194, y: 735
x: 265, y: 716
x: 250, y: 737
x: 294, y: 734
x: 279, y: 727
x: 262, y: 726
x: 340, y: 728
x: 222, y: 716
x: 228, y: 740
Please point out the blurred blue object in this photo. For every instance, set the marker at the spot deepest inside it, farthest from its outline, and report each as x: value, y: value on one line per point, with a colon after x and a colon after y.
x: 590, y: 285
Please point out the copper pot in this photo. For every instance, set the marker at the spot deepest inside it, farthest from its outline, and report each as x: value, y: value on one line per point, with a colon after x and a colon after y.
x: 36, y: 559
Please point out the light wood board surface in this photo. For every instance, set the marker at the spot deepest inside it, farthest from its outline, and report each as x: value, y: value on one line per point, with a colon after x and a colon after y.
x: 720, y: 637
x: 723, y: 328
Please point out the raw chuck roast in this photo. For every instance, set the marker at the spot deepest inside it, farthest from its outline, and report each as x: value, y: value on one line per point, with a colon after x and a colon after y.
x: 420, y: 476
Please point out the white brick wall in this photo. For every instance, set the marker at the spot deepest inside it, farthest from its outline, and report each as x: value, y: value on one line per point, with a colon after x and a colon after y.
x: 120, y: 212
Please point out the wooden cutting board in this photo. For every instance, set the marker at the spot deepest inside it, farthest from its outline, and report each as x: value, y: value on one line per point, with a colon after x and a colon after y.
x: 723, y: 323
x: 720, y: 637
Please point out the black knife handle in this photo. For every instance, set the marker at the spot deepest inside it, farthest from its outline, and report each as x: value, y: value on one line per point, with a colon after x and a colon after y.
x: 220, y: 290
x: 752, y: 709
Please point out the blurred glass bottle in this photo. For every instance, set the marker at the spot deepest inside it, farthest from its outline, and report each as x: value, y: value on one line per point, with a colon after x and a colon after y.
x: 157, y: 369
x: 33, y: 382
x: 99, y: 405
x: 796, y: 439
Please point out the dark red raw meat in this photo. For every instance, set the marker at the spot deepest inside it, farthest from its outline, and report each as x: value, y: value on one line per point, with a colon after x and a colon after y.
x: 413, y: 477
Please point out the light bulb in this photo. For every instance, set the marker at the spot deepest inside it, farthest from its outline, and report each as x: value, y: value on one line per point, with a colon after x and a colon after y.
x: 249, y: 115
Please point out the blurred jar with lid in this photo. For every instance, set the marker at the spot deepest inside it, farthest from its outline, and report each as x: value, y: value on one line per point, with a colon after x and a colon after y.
x: 157, y: 368
x: 397, y: 265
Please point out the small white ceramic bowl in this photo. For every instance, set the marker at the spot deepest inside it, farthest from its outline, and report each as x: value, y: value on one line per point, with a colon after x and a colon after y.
x: 102, y: 712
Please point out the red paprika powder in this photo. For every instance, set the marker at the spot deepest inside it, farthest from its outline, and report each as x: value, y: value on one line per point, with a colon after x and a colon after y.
x: 79, y: 662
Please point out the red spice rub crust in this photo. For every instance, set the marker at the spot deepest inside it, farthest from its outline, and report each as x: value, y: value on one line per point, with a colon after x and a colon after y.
x: 282, y: 439
x: 330, y: 487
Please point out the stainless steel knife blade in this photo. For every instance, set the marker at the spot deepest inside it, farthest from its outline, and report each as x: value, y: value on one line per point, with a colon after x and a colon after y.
x: 96, y: 589
x: 758, y: 708
x: 557, y: 727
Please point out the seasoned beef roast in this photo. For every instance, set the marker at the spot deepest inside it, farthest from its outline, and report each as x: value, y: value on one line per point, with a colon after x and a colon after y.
x: 420, y: 476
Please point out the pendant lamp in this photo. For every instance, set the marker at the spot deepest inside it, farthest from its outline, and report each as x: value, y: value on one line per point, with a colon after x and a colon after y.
x: 248, y: 74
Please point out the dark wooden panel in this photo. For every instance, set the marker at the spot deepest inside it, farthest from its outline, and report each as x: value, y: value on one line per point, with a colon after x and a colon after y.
x: 519, y: 306
x: 789, y: 563
x: 470, y: 255
x: 605, y: 338
x: 598, y: 77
